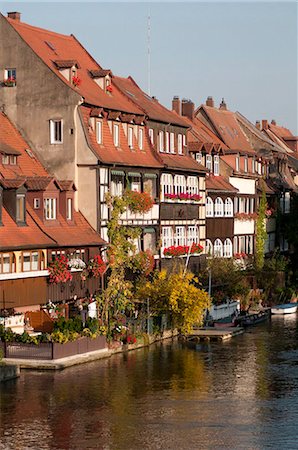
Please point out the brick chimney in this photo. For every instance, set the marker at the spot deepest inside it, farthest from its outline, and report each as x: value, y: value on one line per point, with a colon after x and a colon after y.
x: 273, y: 122
x: 210, y: 102
x: 188, y: 108
x: 264, y: 124
x: 258, y: 124
x: 176, y: 105
x: 14, y: 15
x: 223, y: 105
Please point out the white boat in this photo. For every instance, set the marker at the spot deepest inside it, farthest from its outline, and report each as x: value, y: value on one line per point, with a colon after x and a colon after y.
x: 288, y: 308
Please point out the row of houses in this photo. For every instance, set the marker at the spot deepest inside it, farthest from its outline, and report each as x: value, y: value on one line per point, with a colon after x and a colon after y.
x: 71, y: 131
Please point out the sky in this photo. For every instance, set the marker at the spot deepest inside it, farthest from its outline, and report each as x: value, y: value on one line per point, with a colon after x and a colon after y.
x: 244, y: 52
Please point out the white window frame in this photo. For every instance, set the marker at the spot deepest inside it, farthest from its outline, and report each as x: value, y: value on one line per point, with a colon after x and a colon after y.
x: 228, y: 207
x: 172, y: 142
x: 245, y: 164
x: 227, y: 248
x: 209, y: 162
x: 141, y: 138
x: 167, y: 185
x: 209, y: 248
x: 192, y: 185
x: 287, y: 197
x: 179, y: 184
x: 69, y: 209
x: 167, y: 238
x: 116, y: 134
x: 184, y: 140
x: 192, y: 235
x: 161, y: 141
x: 130, y: 136
x: 99, y: 131
x: 10, y: 72
x: 218, y: 207
x: 199, y: 157
x: 53, y: 131
x: 237, y: 166
x: 151, y: 135
x: 180, y: 146
x: 209, y: 207
x: 50, y: 208
x: 167, y: 142
x: 117, y: 185
x: 36, y: 203
x: 253, y: 165
x: 180, y: 237
x: 218, y: 248
x: 216, y: 165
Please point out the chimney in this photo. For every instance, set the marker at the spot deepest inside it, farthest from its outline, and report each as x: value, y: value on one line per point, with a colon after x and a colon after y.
x: 176, y: 105
x: 210, y: 102
x: 258, y: 124
x: 155, y: 99
x: 264, y: 124
x: 14, y: 15
x: 188, y: 108
x: 223, y: 105
x: 273, y: 122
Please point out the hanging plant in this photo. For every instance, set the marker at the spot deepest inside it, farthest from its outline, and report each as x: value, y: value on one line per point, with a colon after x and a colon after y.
x: 139, y: 202
x: 59, y: 270
x: 96, y: 267
x: 76, y: 81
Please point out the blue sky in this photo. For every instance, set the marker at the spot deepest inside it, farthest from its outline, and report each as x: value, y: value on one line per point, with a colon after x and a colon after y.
x: 244, y: 52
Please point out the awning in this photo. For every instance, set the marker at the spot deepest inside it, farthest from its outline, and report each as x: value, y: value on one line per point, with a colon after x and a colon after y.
x: 117, y: 172
x: 134, y: 174
x: 150, y: 175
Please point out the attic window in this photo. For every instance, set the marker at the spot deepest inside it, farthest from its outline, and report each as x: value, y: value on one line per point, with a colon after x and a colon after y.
x: 20, y: 210
x: 50, y: 45
x: 9, y: 160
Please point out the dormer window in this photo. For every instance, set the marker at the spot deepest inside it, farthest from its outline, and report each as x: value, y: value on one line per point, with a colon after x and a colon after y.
x: 237, y: 163
x: 209, y: 162
x: 68, y: 69
x: 116, y: 134
x: 130, y: 137
x: 151, y: 135
x: 172, y: 142
x: 50, y: 207
x: 180, y: 142
x: 199, y: 158
x: 9, y: 160
x: 161, y: 141
x: 69, y: 209
x: 36, y: 203
x: 216, y: 165
x: 20, y: 208
x: 102, y: 78
x: 245, y: 164
x: 141, y: 138
x: 99, y: 131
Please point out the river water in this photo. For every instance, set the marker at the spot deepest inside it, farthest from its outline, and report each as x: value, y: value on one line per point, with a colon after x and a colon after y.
x: 241, y: 394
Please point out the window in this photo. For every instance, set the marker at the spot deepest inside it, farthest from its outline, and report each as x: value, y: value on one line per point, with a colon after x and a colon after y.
x: 192, y: 185
x: 10, y: 74
x: 172, y: 142
x: 5, y: 159
x: 209, y: 162
x: 117, y: 185
x: 218, y: 250
x: 247, y: 205
x: 184, y: 140
x: 135, y: 182
x: 216, y: 165
x: 130, y: 137
x: 237, y: 163
x: 252, y: 203
x: 20, y: 215
x: 161, y: 141
x: 209, y: 207
x: 116, y: 135
x: 218, y: 207
x: 149, y: 184
x: 141, y: 138
x: 36, y: 203
x: 245, y: 164
x: 6, y: 265
x: 166, y: 184
x: 151, y: 135
x: 192, y: 235
x: 228, y: 207
x: 167, y: 237
x: 56, y: 131
x: 236, y: 205
x: 28, y: 261
x: 69, y: 209
x: 241, y: 205
x: 287, y: 202
x: 179, y: 236
x: 50, y: 208
x: 199, y: 158
x: 253, y: 165
x: 149, y: 240
x: 179, y: 184
x: 180, y: 149
x: 249, y: 244
x: 9, y: 159
x: 227, y: 248
x: 99, y: 131
x: 167, y: 142
x: 209, y: 247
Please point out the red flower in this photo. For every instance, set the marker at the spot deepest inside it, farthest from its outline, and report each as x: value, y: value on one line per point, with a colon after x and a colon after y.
x: 181, y: 250
x: 76, y: 81
x: 109, y: 88
x: 139, y: 202
x: 96, y: 267
x: 59, y: 270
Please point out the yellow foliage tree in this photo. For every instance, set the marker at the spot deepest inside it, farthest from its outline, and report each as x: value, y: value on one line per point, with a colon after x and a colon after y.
x: 177, y: 294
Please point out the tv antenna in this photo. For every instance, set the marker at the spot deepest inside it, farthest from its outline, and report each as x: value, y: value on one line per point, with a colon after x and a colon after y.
x: 149, y: 52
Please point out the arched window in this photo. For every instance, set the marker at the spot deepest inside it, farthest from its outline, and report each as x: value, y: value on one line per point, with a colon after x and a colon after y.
x: 209, y: 207
x: 209, y: 247
x: 218, y: 251
x: 166, y: 184
x: 179, y: 184
x: 218, y: 207
x: 192, y: 185
x: 227, y: 249
x: 228, y: 207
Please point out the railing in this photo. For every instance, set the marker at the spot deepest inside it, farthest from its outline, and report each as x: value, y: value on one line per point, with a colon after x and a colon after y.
x: 52, y: 350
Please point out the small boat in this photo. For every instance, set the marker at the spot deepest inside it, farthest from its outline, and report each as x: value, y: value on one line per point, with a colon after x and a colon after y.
x: 252, y: 319
x: 227, y: 322
x: 287, y: 308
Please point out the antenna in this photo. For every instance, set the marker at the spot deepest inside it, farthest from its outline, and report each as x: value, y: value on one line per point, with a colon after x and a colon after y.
x: 149, y: 52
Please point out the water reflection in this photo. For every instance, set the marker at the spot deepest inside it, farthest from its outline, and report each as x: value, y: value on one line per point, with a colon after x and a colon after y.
x: 241, y: 394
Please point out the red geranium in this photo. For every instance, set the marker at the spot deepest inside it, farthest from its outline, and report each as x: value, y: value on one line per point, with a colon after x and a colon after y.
x: 59, y: 270
x: 96, y: 267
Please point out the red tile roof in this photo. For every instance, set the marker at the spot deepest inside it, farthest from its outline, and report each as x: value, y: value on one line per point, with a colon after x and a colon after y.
x: 200, y: 135
x: 281, y: 132
x: 219, y: 183
x: 183, y: 162
x: 50, y: 47
x: 109, y: 154
x: 228, y: 128
x: 153, y: 109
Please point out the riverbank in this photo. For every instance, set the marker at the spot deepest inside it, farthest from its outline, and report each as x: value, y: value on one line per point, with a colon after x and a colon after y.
x: 9, y: 372
x: 63, y: 363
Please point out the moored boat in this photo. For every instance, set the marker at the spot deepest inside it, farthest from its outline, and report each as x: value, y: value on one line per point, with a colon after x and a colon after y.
x: 253, y: 319
x: 287, y: 308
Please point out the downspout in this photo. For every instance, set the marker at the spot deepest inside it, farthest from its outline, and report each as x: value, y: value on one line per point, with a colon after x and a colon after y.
x: 76, y: 169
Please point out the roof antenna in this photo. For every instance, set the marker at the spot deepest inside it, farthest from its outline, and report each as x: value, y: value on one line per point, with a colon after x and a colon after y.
x: 149, y: 52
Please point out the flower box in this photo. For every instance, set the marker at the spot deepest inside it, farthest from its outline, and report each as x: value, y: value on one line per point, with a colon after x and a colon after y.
x: 182, y: 250
x: 184, y: 196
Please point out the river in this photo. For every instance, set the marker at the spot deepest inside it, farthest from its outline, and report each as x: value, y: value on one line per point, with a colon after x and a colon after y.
x: 241, y: 394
